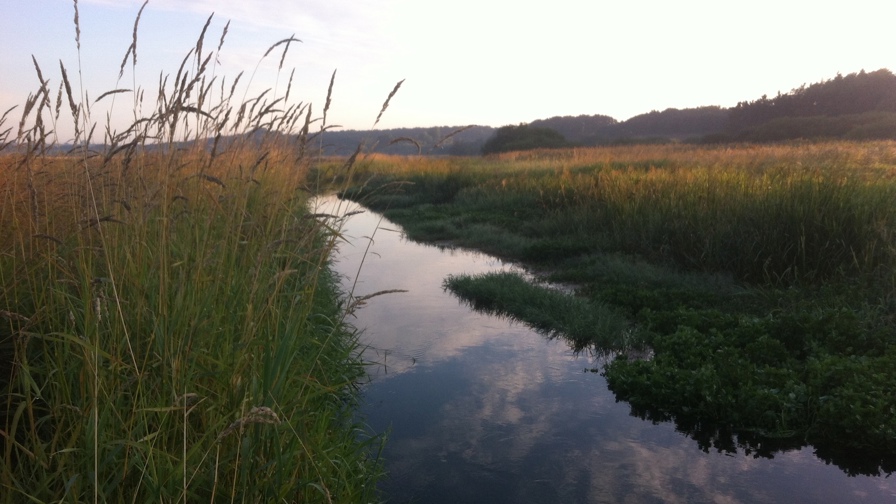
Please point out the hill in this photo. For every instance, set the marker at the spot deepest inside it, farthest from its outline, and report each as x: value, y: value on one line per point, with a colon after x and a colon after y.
x: 437, y: 140
x: 858, y: 106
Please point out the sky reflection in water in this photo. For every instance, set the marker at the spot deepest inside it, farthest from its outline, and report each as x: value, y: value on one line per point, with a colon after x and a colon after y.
x: 481, y: 409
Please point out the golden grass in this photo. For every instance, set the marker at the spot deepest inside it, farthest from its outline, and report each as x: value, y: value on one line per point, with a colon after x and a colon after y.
x: 169, y: 329
x: 763, y: 212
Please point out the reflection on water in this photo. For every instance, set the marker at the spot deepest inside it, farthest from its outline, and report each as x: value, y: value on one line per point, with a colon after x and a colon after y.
x: 479, y: 409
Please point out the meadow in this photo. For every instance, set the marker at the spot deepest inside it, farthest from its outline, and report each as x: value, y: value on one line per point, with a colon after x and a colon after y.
x: 170, y: 330
x: 759, y: 279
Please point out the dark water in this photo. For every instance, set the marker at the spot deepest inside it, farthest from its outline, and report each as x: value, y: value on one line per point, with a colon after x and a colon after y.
x: 480, y: 409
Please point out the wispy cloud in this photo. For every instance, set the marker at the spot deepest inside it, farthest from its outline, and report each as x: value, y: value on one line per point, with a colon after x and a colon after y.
x: 345, y: 23
x: 489, y: 62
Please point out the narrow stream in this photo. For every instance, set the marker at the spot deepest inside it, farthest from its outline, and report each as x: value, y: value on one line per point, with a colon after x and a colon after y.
x: 482, y: 409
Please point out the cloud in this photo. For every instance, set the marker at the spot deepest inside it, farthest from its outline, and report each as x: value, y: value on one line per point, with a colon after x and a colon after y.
x: 339, y: 23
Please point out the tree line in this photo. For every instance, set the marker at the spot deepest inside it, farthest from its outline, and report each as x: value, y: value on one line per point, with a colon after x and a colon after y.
x: 856, y: 106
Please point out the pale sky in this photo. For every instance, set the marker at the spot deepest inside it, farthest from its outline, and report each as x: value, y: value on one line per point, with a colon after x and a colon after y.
x: 487, y: 62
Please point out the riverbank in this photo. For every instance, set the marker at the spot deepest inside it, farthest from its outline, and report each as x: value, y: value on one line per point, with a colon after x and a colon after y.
x: 760, y: 277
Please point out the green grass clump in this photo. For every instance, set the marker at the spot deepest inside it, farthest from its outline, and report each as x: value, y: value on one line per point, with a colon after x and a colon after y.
x: 550, y: 311
x: 169, y: 326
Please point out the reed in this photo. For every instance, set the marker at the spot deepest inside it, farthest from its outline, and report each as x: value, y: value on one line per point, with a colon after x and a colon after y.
x: 780, y: 214
x: 169, y: 327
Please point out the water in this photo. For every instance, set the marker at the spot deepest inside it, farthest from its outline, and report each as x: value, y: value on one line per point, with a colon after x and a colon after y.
x: 481, y: 409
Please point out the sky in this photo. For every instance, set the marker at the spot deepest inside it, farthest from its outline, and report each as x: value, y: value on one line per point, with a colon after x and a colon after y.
x: 485, y: 62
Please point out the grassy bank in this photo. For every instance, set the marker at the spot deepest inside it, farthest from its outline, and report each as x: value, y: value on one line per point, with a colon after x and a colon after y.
x: 761, y: 276
x: 169, y: 327
x: 553, y: 313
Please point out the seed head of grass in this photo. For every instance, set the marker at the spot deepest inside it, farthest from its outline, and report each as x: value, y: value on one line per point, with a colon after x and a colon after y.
x: 257, y: 415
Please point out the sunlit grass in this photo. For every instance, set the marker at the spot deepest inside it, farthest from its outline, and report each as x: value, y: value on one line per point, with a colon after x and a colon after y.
x: 762, y: 213
x: 169, y: 327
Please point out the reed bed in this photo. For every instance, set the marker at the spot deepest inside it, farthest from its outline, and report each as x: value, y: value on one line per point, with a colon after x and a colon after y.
x: 780, y: 214
x: 169, y: 328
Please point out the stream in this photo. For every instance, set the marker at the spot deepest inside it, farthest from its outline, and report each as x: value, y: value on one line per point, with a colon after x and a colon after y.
x: 478, y: 408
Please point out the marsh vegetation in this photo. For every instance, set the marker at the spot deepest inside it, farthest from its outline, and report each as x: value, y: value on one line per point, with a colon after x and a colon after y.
x: 171, y: 330
x: 761, y: 277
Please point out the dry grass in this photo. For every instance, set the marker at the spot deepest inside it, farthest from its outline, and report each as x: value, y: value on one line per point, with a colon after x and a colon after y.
x: 782, y: 213
x: 169, y: 330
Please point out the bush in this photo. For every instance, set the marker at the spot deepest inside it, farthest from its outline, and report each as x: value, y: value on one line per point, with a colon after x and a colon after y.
x: 523, y: 137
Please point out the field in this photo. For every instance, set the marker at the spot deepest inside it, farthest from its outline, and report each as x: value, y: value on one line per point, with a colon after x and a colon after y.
x: 759, y: 280
x: 169, y: 328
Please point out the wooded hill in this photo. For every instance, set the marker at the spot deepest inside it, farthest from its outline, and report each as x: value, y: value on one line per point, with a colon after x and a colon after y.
x: 855, y: 106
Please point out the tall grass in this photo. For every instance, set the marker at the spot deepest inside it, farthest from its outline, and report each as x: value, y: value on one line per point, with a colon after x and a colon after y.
x: 779, y: 224
x: 784, y: 213
x: 170, y: 329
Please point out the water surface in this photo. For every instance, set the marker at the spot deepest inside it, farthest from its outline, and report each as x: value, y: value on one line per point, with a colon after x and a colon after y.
x: 482, y: 409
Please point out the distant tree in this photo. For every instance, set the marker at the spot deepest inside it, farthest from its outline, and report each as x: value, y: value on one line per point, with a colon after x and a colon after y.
x: 867, y: 126
x: 578, y: 129
x: 856, y: 93
x: 673, y: 123
x: 523, y: 137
